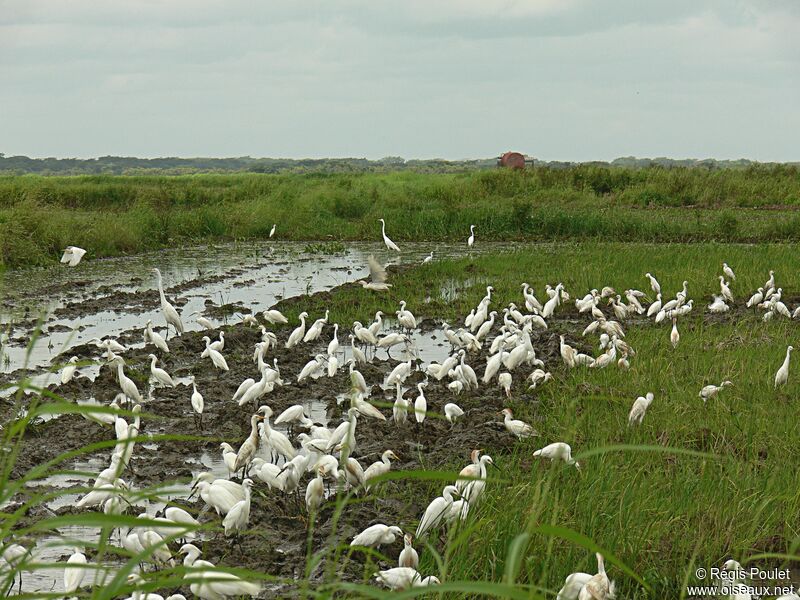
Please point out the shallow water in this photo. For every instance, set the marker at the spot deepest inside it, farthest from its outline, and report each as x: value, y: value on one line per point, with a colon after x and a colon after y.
x: 256, y: 275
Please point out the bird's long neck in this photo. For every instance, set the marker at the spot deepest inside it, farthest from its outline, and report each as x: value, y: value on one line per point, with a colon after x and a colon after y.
x: 383, y: 228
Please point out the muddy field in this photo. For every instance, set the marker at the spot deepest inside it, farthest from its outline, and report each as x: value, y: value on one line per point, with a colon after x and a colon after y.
x: 277, y: 542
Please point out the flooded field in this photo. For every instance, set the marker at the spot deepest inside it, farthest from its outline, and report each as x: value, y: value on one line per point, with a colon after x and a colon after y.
x: 115, y: 298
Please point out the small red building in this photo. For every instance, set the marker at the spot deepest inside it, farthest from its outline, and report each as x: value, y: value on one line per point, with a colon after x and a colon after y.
x: 511, y: 160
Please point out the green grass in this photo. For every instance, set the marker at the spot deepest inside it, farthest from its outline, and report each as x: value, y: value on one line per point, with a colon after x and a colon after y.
x: 643, y: 497
x: 112, y: 215
x: 693, y: 486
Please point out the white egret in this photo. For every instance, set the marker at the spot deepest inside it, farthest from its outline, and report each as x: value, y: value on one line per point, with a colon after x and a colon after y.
x: 243, y: 387
x: 405, y: 317
x: 437, y: 510
x: 398, y: 579
x: 421, y: 403
x: 68, y: 372
x: 452, y: 412
x: 782, y: 376
x: 248, y: 448
x: 171, y: 315
x: 275, y: 440
x: 654, y: 285
x: 73, y: 575
x: 377, y: 535
x: 315, y: 330
x: 297, y: 335
x: 358, y: 354
x: 274, y: 317
x: 599, y: 587
x: 377, y: 276
x: 216, y: 357
x: 380, y: 467
x: 728, y: 271
x: 239, y: 515
x: 315, y: 492
x: 428, y: 259
x: 126, y: 384
x: 72, y: 255
x: 209, y: 583
x: 333, y: 345
x: 639, y: 408
x: 573, y: 585
x: 408, y: 556
x: 390, y: 245
x: 504, y: 379
x: 519, y: 428
x: 674, y: 337
x: 160, y: 375
x: 400, y: 408
x: 471, y: 239
x: 197, y: 402
x: 155, y: 338
x: 712, y: 390
x: 557, y: 451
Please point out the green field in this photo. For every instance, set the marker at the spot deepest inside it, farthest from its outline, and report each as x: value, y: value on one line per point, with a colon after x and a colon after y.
x: 113, y: 215
x: 696, y: 484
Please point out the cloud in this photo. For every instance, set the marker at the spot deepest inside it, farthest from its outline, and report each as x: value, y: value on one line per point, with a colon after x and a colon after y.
x: 569, y: 79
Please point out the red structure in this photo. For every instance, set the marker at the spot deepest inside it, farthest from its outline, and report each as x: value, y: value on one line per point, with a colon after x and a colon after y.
x: 511, y: 160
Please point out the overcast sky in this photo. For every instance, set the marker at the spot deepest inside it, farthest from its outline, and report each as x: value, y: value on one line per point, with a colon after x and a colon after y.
x: 558, y: 79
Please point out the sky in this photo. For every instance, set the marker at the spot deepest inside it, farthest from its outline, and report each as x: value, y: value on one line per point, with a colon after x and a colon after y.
x: 557, y: 79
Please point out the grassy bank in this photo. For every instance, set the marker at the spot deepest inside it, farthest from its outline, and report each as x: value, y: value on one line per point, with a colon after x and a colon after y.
x: 643, y: 497
x: 117, y: 215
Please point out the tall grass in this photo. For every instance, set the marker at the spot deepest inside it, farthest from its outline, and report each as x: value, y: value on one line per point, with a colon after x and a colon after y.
x: 116, y: 215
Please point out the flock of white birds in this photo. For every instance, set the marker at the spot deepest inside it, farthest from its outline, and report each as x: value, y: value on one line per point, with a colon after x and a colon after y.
x: 272, y: 458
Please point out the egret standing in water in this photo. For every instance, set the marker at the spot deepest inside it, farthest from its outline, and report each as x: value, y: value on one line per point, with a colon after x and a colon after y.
x: 471, y: 239
x: 390, y: 245
x: 171, y: 315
